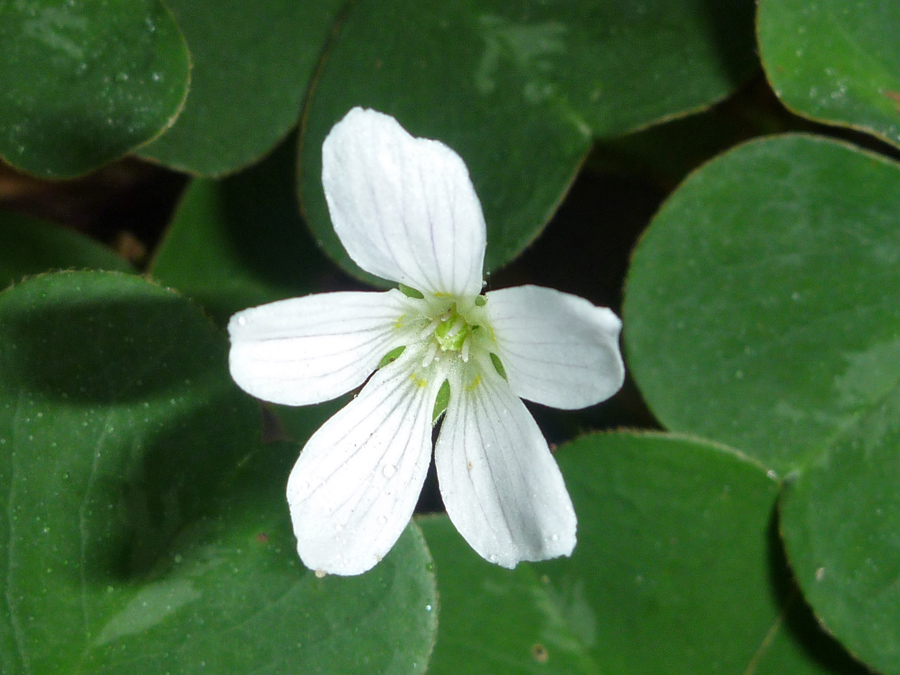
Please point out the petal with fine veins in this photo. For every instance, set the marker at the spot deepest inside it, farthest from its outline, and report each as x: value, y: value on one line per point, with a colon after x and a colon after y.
x: 557, y: 349
x: 356, y: 483
x: 312, y: 349
x: 403, y: 207
x: 499, y: 482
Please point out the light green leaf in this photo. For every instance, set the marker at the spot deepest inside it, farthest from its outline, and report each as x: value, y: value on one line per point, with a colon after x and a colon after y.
x: 145, y: 527
x: 676, y: 570
x: 761, y: 305
x: 520, y: 90
x: 251, y: 69
x: 29, y: 246
x: 83, y: 83
x: 835, y: 61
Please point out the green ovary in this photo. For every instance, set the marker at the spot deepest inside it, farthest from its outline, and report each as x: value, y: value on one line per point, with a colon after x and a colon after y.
x: 452, y: 332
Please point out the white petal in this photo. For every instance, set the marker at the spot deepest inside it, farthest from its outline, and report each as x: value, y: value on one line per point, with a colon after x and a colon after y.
x: 356, y: 483
x: 403, y: 207
x: 557, y: 349
x: 499, y: 482
x: 312, y: 349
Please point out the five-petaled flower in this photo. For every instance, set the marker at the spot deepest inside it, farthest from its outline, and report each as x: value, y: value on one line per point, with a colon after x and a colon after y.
x: 406, y: 211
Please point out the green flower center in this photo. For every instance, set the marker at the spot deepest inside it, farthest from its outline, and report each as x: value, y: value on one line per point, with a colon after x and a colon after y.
x: 452, y: 331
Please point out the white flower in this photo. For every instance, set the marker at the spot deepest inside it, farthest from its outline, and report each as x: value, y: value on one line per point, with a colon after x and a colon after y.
x: 405, y: 210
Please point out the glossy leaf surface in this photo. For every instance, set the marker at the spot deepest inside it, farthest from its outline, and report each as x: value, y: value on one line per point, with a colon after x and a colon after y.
x: 251, y: 69
x: 841, y: 525
x: 519, y: 91
x: 761, y: 306
x: 676, y: 570
x: 835, y: 61
x: 146, y: 526
x: 83, y: 83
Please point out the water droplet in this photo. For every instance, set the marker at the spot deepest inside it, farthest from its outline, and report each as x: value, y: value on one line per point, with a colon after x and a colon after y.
x: 493, y: 558
x: 555, y: 537
x: 427, y: 608
x: 382, y: 520
x: 242, y: 320
x: 389, y: 470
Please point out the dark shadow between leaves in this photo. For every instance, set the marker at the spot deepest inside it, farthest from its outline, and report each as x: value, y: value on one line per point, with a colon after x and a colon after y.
x: 799, y: 622
x: 732, y: 27
x: 265, y: 230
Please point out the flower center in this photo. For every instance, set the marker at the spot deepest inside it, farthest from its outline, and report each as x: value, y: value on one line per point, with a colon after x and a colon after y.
x: 449, y: 331
x: 452, y: 331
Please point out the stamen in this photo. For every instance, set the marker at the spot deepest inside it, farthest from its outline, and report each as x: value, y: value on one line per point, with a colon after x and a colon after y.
x: 457, y: 326
x: 464, y: 350
x: 429, y: 355
x: 430, y: 328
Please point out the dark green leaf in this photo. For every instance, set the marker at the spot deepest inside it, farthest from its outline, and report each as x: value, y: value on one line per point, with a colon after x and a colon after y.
x: 83, y: 83
x: 145, y: 528
x: 841, y: 525
x: 251, y: 69
x: 761, y: 307
x: 674, y: 572
x: 520, y: 90
x: 29, y: 246
x: 240, y: 242
x: 835, y: 61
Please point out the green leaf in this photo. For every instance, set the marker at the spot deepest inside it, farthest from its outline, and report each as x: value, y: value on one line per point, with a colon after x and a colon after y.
x: 29, y: 246
x: 251, y: 69
x: 841, y: 525
x: 835, y: 61
x: 240, y: 242
x: 676, y: 570
x: 84, y: 83
x: 520, y: 90
x: 145, y: 527
x: 760, y: 309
